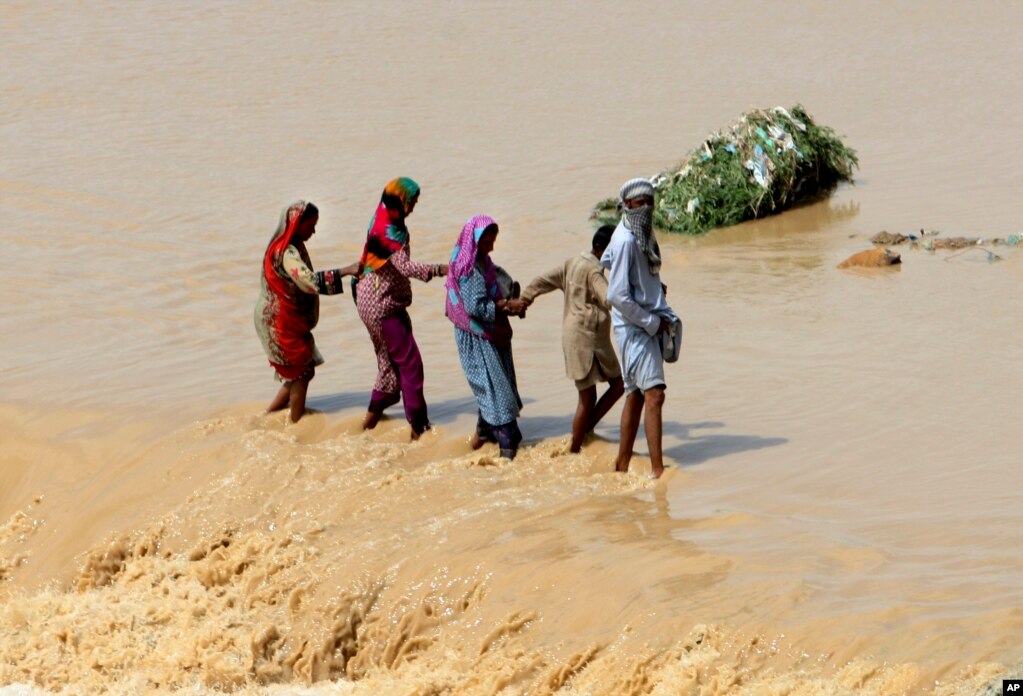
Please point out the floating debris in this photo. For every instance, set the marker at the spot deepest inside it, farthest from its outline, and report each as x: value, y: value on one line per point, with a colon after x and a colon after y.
x: 929, y: 240
x: 888, y: 238
x: 767, y: 161
x: 952, y: 243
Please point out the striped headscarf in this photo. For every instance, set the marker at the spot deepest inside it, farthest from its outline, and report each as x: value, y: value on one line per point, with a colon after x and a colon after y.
x: 641, y: 220
x: 387, y: 231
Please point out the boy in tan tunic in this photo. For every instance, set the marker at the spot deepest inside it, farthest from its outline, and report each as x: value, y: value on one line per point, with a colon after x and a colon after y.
x: 585, y: 332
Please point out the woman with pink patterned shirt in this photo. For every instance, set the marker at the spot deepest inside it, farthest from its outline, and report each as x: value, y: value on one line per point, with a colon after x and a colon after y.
x: 383, y: 293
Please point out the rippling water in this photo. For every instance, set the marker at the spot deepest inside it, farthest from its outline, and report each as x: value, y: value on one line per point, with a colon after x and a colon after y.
x: 841, y: 514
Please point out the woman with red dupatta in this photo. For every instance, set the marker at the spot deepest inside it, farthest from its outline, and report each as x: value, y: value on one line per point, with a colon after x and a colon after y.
x: 289, y: 305
x: 383, y: 294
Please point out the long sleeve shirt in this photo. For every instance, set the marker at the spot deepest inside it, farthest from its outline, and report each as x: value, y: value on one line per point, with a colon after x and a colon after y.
x: 306, y: 279
x: 476, y: 299
x: 388, y: 288
x: 586, y: 323
x: 635, y: 294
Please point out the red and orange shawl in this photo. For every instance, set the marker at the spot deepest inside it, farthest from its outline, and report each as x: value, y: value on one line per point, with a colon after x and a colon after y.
x: 288, y: 315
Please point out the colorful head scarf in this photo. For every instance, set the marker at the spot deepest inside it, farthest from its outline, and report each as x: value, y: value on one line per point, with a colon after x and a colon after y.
x: 290, y: 315
x: 387, y: 231
x: 463, y: 263
x: 641, y: 220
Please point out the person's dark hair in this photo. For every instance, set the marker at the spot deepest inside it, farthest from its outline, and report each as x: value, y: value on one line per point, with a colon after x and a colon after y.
x: 602, y: 237
x: 310, y: 211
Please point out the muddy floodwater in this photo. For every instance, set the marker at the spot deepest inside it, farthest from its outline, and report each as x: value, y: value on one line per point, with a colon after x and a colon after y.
x: 842, y: 510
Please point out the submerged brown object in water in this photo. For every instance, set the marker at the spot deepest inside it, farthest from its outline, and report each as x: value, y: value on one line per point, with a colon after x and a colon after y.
x: 885, y: 238
x: 872, y: 258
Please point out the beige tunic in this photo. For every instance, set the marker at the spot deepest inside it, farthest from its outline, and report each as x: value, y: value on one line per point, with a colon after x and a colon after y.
x: 586, y: 323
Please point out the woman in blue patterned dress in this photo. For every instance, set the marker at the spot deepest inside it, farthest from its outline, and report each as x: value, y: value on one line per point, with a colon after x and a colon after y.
x: 478, y: 307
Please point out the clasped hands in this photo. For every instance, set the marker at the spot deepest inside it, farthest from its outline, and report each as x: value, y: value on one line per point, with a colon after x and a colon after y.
x: 514, y: 307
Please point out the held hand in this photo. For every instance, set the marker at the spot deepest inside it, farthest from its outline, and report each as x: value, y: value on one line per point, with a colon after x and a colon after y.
x: 442, y: 269
x: 516, y: 307
x: 664, y: 327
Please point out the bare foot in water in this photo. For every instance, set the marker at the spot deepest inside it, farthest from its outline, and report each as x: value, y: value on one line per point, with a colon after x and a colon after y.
x: 371, y: 420
x: 656, y: 472
x: 475, y: 442
x: 415, y: 436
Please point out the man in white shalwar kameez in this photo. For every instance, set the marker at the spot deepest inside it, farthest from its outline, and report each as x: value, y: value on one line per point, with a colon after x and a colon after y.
x: 639, y: 314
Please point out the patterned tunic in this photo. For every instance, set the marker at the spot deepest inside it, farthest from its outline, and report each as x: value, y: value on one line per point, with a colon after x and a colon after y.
x: 490, y: 370
x: 381, y: 294
x: 310, y: 285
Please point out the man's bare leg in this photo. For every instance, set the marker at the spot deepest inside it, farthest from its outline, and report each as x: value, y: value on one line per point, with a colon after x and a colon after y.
x: 298, y: 391
x: 630, y: 426
x: 582, y: 423
x: 280, y: 401
x: 654, y: 400
x: 615, y: 389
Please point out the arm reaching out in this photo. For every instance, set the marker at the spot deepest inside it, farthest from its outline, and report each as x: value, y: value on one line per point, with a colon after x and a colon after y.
x: 541, y: 285
x: 315, y: 282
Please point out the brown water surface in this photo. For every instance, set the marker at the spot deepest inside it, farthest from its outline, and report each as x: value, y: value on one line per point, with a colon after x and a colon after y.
x: 842, y: 511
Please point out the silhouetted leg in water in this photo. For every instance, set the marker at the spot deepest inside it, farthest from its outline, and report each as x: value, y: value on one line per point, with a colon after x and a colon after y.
x: 507, y: 436
x: 590, y: 410
x: 653, y: 401
x: 648, y: 404
x: 280, y: 401
x: 291, y: 394
x: 631, y: 413
x: 378, y: 401
x: 299, y: 388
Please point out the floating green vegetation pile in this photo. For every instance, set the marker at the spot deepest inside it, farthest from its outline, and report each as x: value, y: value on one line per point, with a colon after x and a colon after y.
x: 766, y: 162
